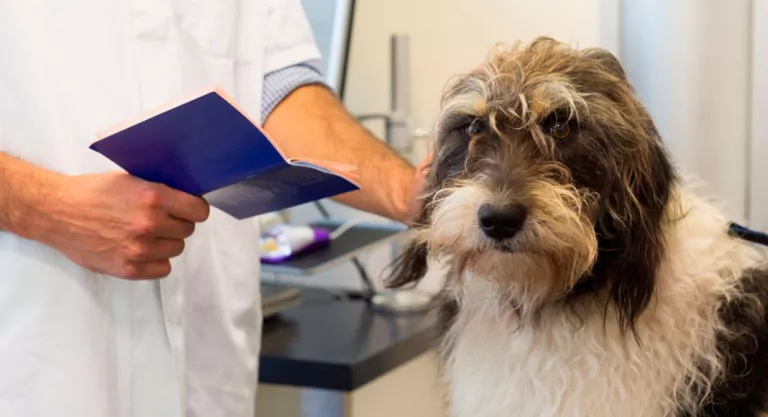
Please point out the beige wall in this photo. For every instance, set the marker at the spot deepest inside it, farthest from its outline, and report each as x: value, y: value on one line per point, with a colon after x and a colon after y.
x: 690, y: 63
x: 410, y: 390
x: 446, y: 38
x: 758, y: 199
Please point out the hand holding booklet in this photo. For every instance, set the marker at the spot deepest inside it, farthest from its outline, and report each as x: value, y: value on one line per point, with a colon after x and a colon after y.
x: 207, y: 146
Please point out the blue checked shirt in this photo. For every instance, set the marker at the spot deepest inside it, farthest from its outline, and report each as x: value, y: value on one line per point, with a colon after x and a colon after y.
x: 279, y: 84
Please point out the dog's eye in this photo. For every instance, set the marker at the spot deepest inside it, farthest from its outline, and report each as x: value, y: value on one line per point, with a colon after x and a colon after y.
x: 476, y: 127
x: 558, y: 127
x: 560, y: 130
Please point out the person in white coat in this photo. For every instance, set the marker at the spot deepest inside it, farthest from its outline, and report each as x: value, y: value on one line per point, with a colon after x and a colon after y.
x: 124, y: 298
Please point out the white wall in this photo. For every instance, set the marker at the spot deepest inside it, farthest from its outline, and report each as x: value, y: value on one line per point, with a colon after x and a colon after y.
x: 690, y: 62
x: 449, y: 37
x: 446, y: 37
x: 758, y: 179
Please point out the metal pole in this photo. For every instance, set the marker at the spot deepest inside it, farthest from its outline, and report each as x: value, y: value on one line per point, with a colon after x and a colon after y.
x: 399, y: 123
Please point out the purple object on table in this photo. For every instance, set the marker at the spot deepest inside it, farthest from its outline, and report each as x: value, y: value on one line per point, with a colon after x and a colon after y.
x: 287, y: 242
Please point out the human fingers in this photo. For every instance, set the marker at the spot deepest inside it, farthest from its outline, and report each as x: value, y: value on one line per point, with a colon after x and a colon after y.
x: 153, y: 249
x: 174, y: 228
x: 184, y: 206
x: 146, y: 270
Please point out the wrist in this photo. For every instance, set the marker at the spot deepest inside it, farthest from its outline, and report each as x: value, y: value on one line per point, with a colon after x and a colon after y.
x: 409, y: 204
x: 37, y: 204
x: 413, y: 201
x: 29, y: 193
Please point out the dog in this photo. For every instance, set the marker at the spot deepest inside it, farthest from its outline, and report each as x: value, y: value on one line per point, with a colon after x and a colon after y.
x: 587, y: 276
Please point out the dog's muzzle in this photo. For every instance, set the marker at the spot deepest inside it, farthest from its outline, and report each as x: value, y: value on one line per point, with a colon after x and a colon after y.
x: 501, y: 223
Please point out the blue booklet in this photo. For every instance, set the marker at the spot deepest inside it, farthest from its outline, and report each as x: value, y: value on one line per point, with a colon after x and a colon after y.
x: 207, y: 146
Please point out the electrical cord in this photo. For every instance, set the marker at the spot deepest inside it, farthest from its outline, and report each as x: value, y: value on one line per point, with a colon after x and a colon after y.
x: 364, y: 277
x: 344, y: 227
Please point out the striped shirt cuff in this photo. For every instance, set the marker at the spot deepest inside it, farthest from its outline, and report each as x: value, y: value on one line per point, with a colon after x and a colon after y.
x: 279, y: 84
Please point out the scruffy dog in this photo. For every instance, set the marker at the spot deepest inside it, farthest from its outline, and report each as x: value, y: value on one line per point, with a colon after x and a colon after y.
x: 587, y: 278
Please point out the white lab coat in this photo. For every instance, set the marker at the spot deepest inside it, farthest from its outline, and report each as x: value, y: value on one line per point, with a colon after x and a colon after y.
x: 74, y: 343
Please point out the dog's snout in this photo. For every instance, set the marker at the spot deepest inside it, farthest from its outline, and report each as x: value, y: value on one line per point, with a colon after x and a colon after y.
x: 501, y: 223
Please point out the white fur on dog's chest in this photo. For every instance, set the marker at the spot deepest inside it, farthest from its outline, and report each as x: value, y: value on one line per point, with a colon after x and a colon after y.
x: 494, y: 372
x: 559, y: 375
x: 554, y: 370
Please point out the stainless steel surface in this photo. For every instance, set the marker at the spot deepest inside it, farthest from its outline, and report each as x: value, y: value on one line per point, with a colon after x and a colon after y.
x: 403, y: 301
x: 400, y: 119
x: 276, y: 299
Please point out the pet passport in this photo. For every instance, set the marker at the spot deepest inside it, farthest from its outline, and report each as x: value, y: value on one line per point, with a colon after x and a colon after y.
x: 207, y: 146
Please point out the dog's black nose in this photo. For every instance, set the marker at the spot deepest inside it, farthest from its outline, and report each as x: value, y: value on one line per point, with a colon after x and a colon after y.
x: 501, y: 223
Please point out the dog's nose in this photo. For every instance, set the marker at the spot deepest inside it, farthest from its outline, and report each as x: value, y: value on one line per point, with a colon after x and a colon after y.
x: 501, y: 223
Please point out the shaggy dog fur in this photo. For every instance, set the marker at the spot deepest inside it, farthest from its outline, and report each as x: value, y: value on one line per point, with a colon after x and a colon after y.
x: 588, y: 279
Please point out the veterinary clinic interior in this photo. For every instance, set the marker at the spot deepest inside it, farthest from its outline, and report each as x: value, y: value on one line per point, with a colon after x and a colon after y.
x: 338, y: 341
x: 696, y: 65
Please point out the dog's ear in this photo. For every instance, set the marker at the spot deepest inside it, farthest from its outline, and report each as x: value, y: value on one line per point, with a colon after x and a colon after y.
x: 632, y: 237
x: 639, y: 236
x: 410, y: 267
x: 607, y: 61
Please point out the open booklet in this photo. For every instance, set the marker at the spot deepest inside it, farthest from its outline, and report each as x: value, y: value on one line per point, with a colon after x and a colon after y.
x: 207, y: 146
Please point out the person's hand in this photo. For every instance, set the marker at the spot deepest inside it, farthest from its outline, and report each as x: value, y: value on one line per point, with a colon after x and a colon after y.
x: 119, y: 225
x: 416, y: 188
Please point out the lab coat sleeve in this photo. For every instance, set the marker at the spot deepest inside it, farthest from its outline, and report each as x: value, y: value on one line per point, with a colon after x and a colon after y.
x: 279, y: 84
x: 289, y: 36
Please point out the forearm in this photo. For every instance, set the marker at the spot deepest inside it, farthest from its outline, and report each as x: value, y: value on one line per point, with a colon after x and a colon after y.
x: 312, y: 123
x: 23, y: 188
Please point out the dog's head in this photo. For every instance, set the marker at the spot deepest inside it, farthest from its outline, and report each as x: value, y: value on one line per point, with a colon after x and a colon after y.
x: 548, y: 178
